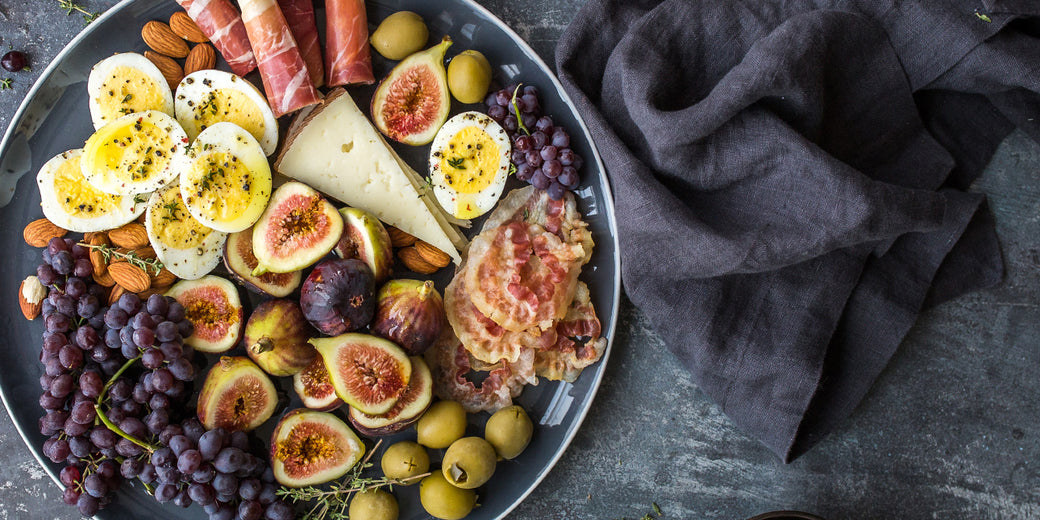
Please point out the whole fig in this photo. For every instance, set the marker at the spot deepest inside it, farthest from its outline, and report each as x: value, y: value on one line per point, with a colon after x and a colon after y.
x: 409, y: 313
x: 339, y: 296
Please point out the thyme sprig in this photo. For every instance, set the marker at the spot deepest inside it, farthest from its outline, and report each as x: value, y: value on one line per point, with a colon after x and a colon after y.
x: 70, y: 6
x: 131, y: 257
x: 331, y: 501
x: 5, y: 83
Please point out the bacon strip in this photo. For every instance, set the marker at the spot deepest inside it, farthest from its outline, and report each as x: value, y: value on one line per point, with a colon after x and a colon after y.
x: 286, y: 80
x: 220, y: 22
x: 300, y: 15
x: 346, y: 43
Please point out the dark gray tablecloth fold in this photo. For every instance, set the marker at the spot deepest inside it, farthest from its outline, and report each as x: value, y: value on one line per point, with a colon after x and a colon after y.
x: 790, y: 177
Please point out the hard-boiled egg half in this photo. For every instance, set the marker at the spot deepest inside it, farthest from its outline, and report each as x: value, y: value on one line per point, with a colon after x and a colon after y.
x: 469, y: 164
x: 226, y: 179
x: 185, y: 246
x: 72, y: 203
x: 134, y: 154
x: 207, y: 97
x: 123, y: 84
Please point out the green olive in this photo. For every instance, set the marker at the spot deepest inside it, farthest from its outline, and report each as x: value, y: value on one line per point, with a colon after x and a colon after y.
x: 405, y: 459
x: 399, y: 35
x: 442, y: 500
x: 469, y: 462
x: 469, y: 76
x: 441, y: 425
x: 373, y: 504
x: 509, y: 431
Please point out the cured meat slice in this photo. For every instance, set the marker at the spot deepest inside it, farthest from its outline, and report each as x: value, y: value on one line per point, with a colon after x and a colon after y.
x: 300, y: 16
x: 560, y: 217
x: 220, y: 22
x: 286, y: 79
x: 522, y: 276
x: 450, y: 364
x: 346, y: 43
x: 578, y: 343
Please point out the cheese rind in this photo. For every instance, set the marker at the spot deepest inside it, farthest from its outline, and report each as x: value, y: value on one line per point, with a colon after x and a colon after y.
x: 337, y: 151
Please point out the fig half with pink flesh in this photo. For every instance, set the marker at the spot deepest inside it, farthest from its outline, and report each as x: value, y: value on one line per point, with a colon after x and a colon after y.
x: 368, y: 373
x: 213, y: 307
x: 412, y: 102
x: 408, y: 408
x: 339, y: 296
x: 240, y: 262
x: 314, y: 387
x: 409, y: 313
x: 276, y: 338
x: 310, y: 447
x: 298, y: 228
x: 365, y: 238
x: 236, y: 395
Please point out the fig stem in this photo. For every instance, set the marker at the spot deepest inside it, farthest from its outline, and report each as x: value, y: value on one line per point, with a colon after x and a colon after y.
x: 264, y: 344
x: 112, y: 426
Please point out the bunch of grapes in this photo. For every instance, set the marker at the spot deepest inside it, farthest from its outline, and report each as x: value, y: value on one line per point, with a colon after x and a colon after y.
x: 541, y: 150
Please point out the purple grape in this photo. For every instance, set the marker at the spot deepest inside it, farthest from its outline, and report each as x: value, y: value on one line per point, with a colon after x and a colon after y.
x: 166, y: 331
x: 498, y: 113
x: 70, y: 357
x: 165, y: 492
x: 250, y: 510
x: 80, y: 446
x: 577, y: 162
x: 130, y: 303
x: 534, y: 158
x: 524, y: 171
x: 539, y: 139
x: 182, y: 369
x: 152, y: 358
x: 517, y: 156
x: 522, y: 143
x: 560, y: 138
x: 188, y: 462
x: 63, y: 262
x: 509, y: 123
x: 56, y: 245
x: 531, y: 104
x: 87, y: 505
x: 566, y: 156
x: 82, y: 268
x: 102, y: 437
x: 204, y: 474
x: 528, y: 120
x: 182, y: 499
x: 88, y: 306
x: 162, y: 379
x: 539, y: 180
x: 133, y: 427
x: 75, y: 287
x: 156, y: 420
x: 569, y: 177
x: 46, y: 274
x: 544, y: 125
x: 142, y: 320
x: 491, y: 99
x: 185, y: 328
x: 279, y: 511
x: 530, y: 90
x: 225, y: 484
x: 548, y: 153
x: 176, y: 312
x: 179, y: 444
x: 112, y: 338
x: 552, y: 169
x: 90, y: 383
x: 49, y: 402
x: 15, y: 61
x: 94, y: 485
x: 249, y: 489
x: 503, y: 97
x: 87, y: 337
x: 202, y: 494
x: 157, y: 304
x: 116, y: 318
x: 556, y: 190
x: 131, y: 468
x: 69, y: 475
x: 229, y: 460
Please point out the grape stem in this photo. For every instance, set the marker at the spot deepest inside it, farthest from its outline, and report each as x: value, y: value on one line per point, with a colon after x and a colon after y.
x: 516, y: 110
x: 112, y: 380
x: 104, y: 418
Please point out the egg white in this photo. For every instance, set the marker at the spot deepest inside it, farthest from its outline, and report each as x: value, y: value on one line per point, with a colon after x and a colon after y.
x: 209, y: 96
x: 110, y: 80
x: 173, y: 234
x: 463, y: 204
x: 76, y: 205
x: 151, y: 141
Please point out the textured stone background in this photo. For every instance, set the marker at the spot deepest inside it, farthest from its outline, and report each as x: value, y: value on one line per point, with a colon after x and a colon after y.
x: 950, y: 431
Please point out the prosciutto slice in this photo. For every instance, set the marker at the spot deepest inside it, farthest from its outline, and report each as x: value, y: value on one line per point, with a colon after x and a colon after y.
x: 220, y: 22
x: 450, y: 364
x: 346, y: 43
x: 286, y: 80
x: 300, y: 15
x: 578, y: 342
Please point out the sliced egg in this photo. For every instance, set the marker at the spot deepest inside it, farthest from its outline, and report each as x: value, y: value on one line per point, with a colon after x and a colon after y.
x: 226, y: 179
x: 134, y: 154
x: 185, y: 246
x: 469, y: 164
x: 123, y: 84
x: 72, y: 203
x: 207, y: 97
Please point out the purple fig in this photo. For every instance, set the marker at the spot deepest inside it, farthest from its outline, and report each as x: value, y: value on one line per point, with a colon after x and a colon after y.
x: 409, y: 313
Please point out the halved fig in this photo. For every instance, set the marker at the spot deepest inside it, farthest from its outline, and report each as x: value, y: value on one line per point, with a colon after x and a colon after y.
x: 368, y: 373
x: 411, y: 405
x: 339, y: 296
x: 276, y: 338
x: 309, y: 447
x: 212, y: 305
x: 237, y: 395
x: 409, y: 313
x: 240, y: 262
x: 412, y: 102
x: 314, y: 387
x: 298, y: 228
x: 365, y: 238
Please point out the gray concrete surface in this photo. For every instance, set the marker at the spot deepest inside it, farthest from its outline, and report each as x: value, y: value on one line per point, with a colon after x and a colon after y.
x: 950, y: 430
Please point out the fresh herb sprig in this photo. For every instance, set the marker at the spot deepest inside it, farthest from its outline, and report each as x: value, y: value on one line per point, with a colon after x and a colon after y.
x: 5, y: 84
x: 457, y: 162
x: 331, y: 501
x: 131, y: 257
x: 70, y: 6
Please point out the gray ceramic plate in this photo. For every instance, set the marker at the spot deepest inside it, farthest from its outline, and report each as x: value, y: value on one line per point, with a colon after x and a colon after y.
x: 54, y: 118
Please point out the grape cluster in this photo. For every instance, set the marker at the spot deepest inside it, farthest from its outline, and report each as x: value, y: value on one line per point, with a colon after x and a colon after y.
x: 541, y: 150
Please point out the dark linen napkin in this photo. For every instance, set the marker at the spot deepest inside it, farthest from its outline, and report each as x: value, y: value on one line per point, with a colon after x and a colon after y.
x: 790, y: 176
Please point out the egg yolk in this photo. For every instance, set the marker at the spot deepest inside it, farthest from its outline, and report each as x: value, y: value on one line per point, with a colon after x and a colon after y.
x: 77, y: 197
x: 221, y: 184
x: 174, y: 226
x: 233, y: 106
x: 127, y: 90
x: 132, y: 153
x: 470, y: 161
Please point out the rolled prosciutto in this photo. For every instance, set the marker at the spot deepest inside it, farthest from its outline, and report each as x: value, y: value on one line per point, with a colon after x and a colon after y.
x: 346, y: 43
x: 286, y: 80
x: 300, y: 15
x: 220, y: 22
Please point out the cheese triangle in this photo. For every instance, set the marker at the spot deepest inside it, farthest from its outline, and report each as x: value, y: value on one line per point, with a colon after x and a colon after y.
x: 337, y: 151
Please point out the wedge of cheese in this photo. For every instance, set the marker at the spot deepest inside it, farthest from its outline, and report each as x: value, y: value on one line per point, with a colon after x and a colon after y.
x: 337, y: 151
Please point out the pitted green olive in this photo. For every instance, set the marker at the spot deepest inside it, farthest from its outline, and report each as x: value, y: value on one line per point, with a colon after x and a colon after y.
x: 509, y: 431
x: 442, y: 500
x: 469, y: 462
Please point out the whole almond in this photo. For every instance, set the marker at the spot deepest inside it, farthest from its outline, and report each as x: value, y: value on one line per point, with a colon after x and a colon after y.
x: 97, y: 258
x: 113, y: 296
x: 182, y: 25
x: 399, y: 238
x: 30, y: 297
x: 431, y: 254
x: 163, y: 279
x: 201, y: 57
x: 413, y: 260
x: 144, y: 253
x: 170, y: 69
x: 104, y: 279
x: 130, y: 277
x: 163, y: 40
x: 40, y: 231
x: 130, y: 236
